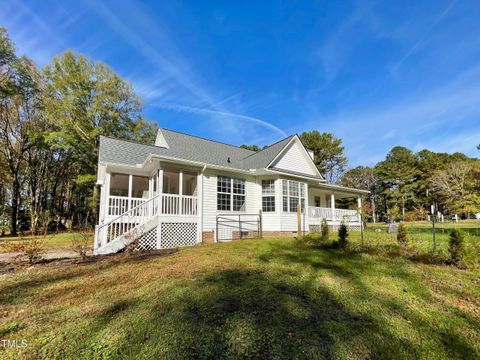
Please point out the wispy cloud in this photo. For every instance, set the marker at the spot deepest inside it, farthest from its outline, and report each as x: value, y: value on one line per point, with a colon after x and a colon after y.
x: 151, y: 53
x: 222, y: 114
x: 424, y: 36
x: 172, y: 67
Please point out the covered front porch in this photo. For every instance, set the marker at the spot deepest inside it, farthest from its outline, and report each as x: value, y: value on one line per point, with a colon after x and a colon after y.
x: 336, y: 205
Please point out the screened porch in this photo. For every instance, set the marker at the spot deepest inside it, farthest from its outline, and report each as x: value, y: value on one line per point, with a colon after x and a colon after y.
x: 171, y: 191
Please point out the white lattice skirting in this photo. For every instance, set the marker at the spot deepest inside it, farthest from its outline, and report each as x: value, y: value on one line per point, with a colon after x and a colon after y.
x: 148, y: 241
x: 174, y: 235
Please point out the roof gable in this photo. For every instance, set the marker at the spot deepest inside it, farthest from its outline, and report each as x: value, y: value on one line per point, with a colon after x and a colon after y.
x: 294, y: 158
x: 262, y: 158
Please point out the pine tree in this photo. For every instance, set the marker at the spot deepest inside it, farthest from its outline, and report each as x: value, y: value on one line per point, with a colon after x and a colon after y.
x: 324, y: 231
x: 455, y: 246
x: 402, y: 234
x: 343, y: 236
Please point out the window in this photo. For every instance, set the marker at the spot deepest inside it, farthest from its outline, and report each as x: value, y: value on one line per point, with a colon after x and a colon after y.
x: 119, y: 184
x: 293, y: 192
x: 139, y: 186
x: 230, y: 194
x: 317, y: 201
x: 268, y: 195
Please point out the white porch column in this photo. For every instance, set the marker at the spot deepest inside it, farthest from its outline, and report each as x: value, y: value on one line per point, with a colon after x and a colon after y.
x: 104, y: 199
x: 129, y: 206
x: 332, y: 205
x: 159, y: 201
x: 180, y: 192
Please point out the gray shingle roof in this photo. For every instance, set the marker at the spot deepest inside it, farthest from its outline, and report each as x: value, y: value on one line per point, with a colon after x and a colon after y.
x: 188, y: 147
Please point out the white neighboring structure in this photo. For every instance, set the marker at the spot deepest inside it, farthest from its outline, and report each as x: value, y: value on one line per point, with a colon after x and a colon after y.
x: 184, y: 190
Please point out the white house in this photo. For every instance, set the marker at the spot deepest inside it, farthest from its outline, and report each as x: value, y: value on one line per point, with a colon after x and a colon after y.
x: 185, y: 190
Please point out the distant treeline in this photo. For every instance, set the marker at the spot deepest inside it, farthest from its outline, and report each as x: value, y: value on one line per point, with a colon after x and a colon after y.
x: 406, y: 184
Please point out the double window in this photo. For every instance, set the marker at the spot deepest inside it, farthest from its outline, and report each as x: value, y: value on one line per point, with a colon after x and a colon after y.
x: 268, y: 195
x: 230, y: 194
x: 293, y: 193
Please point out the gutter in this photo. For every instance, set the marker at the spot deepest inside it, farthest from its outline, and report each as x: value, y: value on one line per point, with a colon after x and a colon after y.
x: 195, y: 163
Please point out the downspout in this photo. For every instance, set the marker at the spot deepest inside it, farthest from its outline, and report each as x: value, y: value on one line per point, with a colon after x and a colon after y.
x: 201, y: 210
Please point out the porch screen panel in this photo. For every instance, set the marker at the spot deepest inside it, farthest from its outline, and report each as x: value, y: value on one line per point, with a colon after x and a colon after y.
x: 119, y: 184
x: 139, y: 186
x: 189, y: 186
x: 171, y: 182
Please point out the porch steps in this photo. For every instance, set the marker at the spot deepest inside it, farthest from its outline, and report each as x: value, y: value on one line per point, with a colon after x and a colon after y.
x: 127, y: 227
x: 125, y: 239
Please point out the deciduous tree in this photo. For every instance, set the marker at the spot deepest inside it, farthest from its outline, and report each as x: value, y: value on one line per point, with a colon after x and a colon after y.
x: 20, y: 104
x: 458, y: 185
x: 85, y: 99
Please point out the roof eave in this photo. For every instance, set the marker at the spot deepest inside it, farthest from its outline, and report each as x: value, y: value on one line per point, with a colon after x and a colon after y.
x: 343, y: 188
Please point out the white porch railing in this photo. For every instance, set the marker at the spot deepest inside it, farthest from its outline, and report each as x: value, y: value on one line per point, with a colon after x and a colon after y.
x: 179, y: 204
x: 124, y: 223
x: 128, y: 213
x: 117, y: 205
x: 347, y: 215
x: 171, y: 204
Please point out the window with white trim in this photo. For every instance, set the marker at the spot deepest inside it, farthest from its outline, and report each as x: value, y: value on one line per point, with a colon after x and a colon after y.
x: 292, y: 193
x: 268, y: 195
x: 230, y: 194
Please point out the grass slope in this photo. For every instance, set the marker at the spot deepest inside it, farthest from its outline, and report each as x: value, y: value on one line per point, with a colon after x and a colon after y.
x: 61, y: 240
x: 246, y: 299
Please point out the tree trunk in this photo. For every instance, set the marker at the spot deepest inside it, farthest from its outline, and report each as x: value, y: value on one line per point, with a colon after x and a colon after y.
x: 374, y: 210
x: 15, y: 203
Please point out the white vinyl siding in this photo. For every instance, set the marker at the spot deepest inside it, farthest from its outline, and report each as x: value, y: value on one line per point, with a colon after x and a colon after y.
x: 296, y: 159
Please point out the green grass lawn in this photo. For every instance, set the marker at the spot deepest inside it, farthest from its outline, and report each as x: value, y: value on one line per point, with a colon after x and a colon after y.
x: 62, y: 240
x: 420, y: 242
x: 276, y: 298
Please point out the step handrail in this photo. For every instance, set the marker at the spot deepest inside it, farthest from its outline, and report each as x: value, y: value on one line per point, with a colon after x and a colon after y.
x: 128, y: 211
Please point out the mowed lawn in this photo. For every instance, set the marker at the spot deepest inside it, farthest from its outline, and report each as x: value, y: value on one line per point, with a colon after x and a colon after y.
x: 276, y: 298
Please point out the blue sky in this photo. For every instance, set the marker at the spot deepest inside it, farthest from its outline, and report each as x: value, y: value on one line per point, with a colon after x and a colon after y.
x: 376, y: 74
